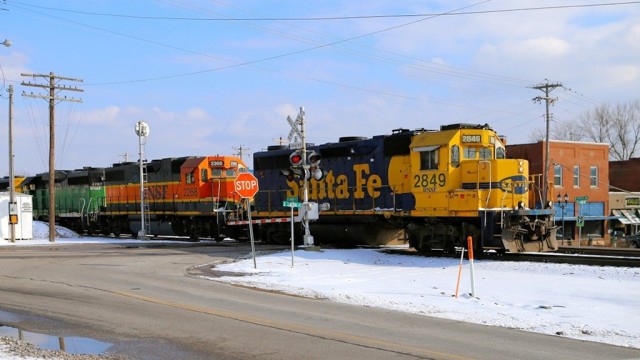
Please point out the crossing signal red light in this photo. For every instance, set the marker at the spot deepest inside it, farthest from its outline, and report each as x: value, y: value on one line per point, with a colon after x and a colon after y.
x: 296, y: 158
x: 314, y: 158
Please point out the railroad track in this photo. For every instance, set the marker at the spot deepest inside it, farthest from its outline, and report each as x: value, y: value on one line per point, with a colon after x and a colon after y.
x: 620, y: 257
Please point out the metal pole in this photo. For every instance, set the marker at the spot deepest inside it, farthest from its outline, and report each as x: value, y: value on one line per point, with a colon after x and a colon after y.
x: 142, y: 234
x: 308, y: 239
x: 12, y: 190
x: 582, y: 222
x: 292, y: 237
x: 563, y: 235
x: 253, y: 246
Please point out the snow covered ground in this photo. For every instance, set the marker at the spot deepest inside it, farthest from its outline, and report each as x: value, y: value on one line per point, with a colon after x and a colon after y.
x: 582, y: 302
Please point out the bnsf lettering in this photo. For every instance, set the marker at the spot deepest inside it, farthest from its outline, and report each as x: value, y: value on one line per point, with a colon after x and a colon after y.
x: 338, y: 187
x: 157, y: 191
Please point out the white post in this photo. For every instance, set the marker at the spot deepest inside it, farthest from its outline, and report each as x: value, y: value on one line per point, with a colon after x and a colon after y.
x: 142, y: 130
x: 12, y: 190
x: 308, y: 239
x: 471, y: 270
x: 292, y: 232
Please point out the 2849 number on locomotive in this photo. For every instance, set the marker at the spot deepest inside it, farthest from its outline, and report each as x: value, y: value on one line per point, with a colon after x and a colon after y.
x: 429, y: 182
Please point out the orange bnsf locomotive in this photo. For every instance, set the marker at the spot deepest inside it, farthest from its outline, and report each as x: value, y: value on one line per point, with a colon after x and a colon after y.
x: 186, y: 196
x: 431, y: 189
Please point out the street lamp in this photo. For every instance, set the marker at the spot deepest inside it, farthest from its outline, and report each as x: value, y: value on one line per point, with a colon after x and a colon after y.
x: 562, y: 206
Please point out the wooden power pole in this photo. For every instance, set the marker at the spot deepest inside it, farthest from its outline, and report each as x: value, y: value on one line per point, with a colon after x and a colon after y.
x: 54, y: 87
x: 546, y: 88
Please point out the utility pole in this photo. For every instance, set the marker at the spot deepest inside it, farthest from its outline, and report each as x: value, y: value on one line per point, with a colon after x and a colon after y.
x: 240, y: 151
x: 54, y: 88
x: 547, y: 89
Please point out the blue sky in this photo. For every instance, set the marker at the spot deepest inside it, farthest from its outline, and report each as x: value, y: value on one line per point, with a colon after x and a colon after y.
x: 211, y: 76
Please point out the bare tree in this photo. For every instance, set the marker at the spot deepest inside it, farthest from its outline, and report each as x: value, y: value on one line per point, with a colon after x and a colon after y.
x: 559, y: 130
x: 619, y: 126
x: 595, y: 124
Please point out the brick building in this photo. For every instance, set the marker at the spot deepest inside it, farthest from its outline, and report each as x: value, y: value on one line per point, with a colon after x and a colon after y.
x: 576, y: 170
x: 623, y: 175
x: 624, y: 198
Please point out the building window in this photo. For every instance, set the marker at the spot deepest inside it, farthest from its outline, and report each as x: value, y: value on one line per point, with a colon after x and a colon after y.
x: 557, y: 175
x: 576, y: 176
x: 429, y: 160
x: 594, y: 176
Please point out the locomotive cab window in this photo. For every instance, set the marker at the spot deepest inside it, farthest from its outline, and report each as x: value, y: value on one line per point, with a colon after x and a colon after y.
x: 231, y: 173
x: 500, y: 153
x: 204, y: 175
x: 455, y: 155
x: 216, y: 172
x: 189, y: 178
x: 469, y: 152
x: 428, y: 157
x: 485, y: 153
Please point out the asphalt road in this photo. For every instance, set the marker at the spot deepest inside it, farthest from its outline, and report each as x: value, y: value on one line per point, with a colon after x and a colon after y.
x: 151, y: 304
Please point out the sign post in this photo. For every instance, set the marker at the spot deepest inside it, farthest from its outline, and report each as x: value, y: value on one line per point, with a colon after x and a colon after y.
x: 246, y: 186
x: 581, y: 200
x: 292, y: 202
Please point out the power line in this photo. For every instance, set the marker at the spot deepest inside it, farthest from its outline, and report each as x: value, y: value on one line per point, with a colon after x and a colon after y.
x: 326, y: 18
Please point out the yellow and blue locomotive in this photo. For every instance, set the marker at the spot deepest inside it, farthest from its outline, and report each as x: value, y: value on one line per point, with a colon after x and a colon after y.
x: 429, y: 188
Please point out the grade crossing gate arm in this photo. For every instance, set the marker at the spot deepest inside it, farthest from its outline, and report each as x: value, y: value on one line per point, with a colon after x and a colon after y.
x: 261, y: 221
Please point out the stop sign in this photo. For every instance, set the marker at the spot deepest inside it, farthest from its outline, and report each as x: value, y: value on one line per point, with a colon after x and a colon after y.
x: 246, y: 185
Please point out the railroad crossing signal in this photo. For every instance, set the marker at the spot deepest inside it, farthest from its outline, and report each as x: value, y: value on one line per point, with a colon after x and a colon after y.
x: 246, y: 185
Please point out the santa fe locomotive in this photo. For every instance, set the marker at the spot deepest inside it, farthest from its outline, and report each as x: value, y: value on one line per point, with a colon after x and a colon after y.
x: 431, y: 189
x: 185, y: 196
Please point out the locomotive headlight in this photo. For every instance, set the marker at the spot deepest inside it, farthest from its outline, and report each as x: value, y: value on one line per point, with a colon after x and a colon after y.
x: 520, y: 166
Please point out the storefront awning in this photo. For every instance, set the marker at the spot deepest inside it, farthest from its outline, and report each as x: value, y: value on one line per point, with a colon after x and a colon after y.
x: 626, y: 217
x: 623, y: 219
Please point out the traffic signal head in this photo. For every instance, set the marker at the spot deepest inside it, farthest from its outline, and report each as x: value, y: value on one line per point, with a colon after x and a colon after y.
x: 313, y: 158
x: 296, y: 158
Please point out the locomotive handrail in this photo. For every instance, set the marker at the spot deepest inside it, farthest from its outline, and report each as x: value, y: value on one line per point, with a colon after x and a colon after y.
x: 478, y: 187
x: 82, y: 209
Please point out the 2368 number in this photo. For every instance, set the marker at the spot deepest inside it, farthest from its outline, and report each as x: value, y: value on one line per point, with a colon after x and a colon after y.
x: 429, y: 180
